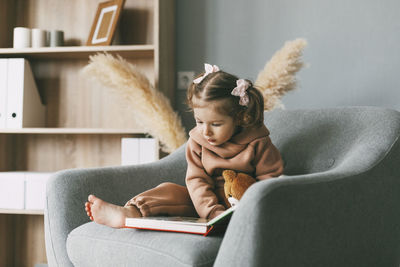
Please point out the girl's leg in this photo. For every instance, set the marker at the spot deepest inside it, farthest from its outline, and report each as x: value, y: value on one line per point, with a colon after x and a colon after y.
x: 109, y: 214
x: 166, y: 199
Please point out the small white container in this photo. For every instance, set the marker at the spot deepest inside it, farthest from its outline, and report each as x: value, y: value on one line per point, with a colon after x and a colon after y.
x: 22, y: 37
x: 39, y: 37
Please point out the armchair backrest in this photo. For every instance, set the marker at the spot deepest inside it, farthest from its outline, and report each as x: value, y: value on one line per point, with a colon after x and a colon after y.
x: 317, y: 140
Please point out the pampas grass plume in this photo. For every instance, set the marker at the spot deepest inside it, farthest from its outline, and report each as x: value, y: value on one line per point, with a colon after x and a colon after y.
x: 152, y: 109
x: 279, y: 74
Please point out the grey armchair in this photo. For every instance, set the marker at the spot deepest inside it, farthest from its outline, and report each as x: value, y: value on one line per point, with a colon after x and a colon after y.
x: 338, y: 203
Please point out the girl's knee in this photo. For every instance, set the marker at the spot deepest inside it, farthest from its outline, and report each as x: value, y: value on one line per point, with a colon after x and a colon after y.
x: 164, y: 184
x: 169, y: 188
x: 168, y: 184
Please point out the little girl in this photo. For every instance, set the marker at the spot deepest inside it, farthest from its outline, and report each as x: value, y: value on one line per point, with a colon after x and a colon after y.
x: 229, y: 134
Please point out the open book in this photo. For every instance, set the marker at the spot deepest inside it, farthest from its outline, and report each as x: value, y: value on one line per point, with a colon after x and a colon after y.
x: 182, y: 224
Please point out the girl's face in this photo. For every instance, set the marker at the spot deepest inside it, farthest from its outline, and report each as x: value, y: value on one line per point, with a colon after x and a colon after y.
x: 215, y: 127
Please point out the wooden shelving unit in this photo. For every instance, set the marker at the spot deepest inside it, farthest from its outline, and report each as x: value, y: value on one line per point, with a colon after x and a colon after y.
x: 79, y: 52
x: 25, y: 212
x: 83, y: 119
x: 70, y: 131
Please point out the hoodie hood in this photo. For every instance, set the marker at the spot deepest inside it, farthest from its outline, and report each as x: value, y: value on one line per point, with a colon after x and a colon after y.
x: 235, y: 145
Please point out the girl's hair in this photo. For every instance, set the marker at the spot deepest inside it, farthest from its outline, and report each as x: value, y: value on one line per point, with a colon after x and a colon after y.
x: 218, y: 86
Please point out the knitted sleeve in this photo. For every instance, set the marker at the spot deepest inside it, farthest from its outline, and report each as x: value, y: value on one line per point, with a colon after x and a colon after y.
x: 267, y: 161
x: 200, y: 185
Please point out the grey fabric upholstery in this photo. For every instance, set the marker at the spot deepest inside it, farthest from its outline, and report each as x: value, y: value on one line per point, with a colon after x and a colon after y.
x: 130, y: 247
x: 337, y: 204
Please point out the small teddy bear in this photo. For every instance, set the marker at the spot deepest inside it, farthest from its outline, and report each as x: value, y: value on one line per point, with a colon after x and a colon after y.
x: 235, y: 185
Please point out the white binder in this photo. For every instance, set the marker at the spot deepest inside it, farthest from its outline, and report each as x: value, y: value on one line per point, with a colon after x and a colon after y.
x: 24, y: 106
x: 3, y: 92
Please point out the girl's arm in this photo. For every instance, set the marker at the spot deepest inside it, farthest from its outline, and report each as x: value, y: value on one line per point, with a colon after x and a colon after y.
x: 200, y: 185
x: 267, y: 161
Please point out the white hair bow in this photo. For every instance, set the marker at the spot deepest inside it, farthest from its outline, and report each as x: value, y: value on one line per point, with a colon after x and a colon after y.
x: 240, y: 90
x: 208, y: 69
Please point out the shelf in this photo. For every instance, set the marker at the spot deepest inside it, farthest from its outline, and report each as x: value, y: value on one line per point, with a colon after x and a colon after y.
x: 79, y: 52
x: 18, y: 211
x: 85, y: 120
x: 70, y: 131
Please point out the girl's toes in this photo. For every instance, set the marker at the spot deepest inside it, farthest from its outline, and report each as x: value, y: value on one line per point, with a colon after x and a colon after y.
x: 88, y: 210
x: 92, y: 198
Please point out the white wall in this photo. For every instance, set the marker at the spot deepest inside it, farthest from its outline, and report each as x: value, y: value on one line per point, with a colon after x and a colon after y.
x: 353, y: 48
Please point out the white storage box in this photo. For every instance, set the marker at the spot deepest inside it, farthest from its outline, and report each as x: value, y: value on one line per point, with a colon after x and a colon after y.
x: 138, y: 150
x: 129, y: 151
x: 148, y: 150
x: 12, y: 190
x: 35, y: 190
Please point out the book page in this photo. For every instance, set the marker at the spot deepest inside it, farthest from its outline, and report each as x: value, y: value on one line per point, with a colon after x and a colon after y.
x: 222, y: 216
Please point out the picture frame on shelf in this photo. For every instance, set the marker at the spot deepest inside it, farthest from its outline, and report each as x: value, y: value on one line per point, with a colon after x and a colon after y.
x: 105, y: 22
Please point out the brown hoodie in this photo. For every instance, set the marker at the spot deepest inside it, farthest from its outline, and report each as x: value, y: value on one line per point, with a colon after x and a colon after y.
x: 250, y: 151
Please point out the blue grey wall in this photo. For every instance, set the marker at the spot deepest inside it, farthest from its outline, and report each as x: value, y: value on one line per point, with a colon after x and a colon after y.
x: 353, y: 49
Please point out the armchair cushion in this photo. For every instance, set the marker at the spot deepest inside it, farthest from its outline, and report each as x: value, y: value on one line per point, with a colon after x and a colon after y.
x: 92, y: 244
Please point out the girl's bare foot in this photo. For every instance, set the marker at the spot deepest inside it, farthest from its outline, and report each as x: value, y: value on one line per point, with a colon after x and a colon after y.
x: 109, y: 214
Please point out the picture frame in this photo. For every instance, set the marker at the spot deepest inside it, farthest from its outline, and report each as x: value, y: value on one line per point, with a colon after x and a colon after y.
x: 105, y: 22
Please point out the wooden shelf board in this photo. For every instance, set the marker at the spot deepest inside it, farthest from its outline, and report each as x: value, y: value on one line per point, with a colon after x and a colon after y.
x: 70, y: 131
x: 18, y: 211
x: 79, y: 52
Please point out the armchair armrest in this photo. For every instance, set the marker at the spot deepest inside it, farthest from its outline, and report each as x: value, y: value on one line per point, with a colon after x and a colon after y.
x: 341, y: 217
x: 67, y: 191
x: 345, y: 216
